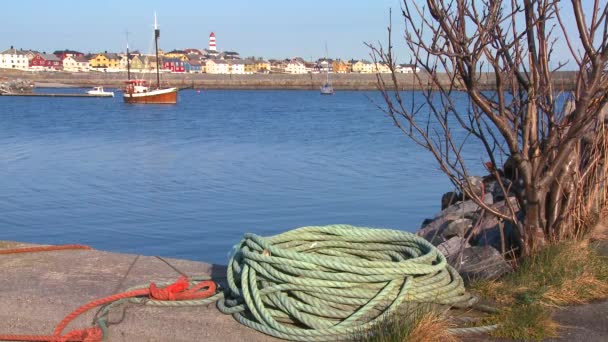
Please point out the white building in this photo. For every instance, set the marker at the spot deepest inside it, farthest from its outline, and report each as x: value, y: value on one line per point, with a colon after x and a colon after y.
x: 407, y: 68
x: 76, y: 64
x: 14, y: 59
x: 295, y: 67
x: 381, y: 68
x: 237, y: 66
x: 217, y: 66
x: 363, y: 67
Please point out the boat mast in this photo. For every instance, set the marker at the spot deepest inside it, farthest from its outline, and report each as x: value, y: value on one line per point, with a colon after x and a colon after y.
x: 128, y: 59
x: 327, y: 63
x: 156, y: 35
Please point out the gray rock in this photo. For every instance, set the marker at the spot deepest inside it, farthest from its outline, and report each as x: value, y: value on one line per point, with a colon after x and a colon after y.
x: 450, y: 198
x: 481, y: 263
x: 453, y: 246
x: 459, y: 209
x: 434, y: 229
x: 475, y: 185
x: 457, y: 227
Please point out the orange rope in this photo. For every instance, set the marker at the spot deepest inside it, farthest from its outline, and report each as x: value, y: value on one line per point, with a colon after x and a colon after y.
x: 42, y: 249
x: 177, y: 291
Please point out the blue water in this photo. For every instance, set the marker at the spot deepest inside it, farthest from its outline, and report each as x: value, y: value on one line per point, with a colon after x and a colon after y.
x: 188, y: 180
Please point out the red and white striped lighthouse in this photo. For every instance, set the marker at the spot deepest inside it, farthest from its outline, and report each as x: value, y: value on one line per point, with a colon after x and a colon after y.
x: 212, y: 46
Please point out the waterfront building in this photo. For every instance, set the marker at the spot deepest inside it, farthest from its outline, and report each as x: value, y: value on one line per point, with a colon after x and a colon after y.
x: 137, y: 63
x: 193, y: 66
x: 340, y: 67
x: 363, y: 67
x: 278, y: 66
x: 217, y: 66
x: 381, y: 68
x: 296, y: 66
x: 212, y: 43
x: 45, y: 61
x: 262, y: 66
x: 407, y: 68
x: 237, y: 66
x: 181, y: 54
x: 62, y: 54
x: 105, y: 62
x: 14, y: 59
x: 76, y: 64
x: 325, y: 65
x: 174, y: 65
x: 194, y: 52
x: 250, y: 66
x: 230, y: 55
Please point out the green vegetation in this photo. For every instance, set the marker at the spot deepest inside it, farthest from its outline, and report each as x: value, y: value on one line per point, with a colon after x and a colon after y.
x: 561, y: 274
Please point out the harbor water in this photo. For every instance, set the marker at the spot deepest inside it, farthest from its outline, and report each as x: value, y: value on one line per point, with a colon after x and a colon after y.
x: 188, y: 180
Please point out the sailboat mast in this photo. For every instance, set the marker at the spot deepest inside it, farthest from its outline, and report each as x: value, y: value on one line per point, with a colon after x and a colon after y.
x: 327, y: 62
x: 156, y: 35
x: 128, y: 61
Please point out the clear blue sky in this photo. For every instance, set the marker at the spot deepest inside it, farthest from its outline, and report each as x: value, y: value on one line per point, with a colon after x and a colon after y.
x: 272, y: 29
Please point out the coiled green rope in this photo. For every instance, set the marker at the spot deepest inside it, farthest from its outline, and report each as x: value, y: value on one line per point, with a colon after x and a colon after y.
x: 331, y: 282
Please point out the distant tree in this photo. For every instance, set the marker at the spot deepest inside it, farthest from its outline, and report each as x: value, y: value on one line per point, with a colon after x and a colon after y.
x: 555, y: 146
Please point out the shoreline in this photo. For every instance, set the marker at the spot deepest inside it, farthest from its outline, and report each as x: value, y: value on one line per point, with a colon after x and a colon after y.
x: 563, y: 80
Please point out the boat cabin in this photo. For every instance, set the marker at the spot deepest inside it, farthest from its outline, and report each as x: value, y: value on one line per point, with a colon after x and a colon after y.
x: 136, y: 86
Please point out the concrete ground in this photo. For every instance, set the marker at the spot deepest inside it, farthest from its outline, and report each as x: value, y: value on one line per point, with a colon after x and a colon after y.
x: 39, y: 289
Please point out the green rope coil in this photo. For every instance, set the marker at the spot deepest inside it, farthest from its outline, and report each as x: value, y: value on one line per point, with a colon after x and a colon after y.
x: 330, y: 282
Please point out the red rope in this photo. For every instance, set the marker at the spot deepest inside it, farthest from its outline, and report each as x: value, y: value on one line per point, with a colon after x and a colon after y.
x: 42, y: 249
x: 179, y: 290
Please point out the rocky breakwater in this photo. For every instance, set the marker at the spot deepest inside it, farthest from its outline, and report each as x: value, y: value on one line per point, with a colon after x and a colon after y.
x: 16, y: 86
x: 476, y: 242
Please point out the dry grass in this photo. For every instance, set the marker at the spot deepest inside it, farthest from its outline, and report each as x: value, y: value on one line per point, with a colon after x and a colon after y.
x: 562, y: 274
x: 430, y: 328
x: 420, y: 324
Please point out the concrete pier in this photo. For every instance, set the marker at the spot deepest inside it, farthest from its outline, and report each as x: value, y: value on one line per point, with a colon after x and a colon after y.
x: 39, y: 289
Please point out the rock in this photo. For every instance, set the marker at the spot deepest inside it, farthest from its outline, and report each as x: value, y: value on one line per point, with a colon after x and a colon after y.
x: 434, y: 229
x: 488, y: 199
x: 450, y: 198
x: 475, y: 185
x: 453, y: 246
x: 481, y: 263
x: 457, y: 227
x: 492, y: 238
x: 459, y: 209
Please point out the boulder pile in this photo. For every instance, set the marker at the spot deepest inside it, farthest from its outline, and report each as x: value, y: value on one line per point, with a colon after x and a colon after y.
x: 477, y: 243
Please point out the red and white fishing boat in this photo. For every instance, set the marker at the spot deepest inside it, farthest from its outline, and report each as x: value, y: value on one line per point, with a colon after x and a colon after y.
x: 139, y: 91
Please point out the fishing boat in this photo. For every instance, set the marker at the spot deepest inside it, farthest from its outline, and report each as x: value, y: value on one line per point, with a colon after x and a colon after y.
x: 98, y: 91
x: 327, y: 89
x: 140, y: 91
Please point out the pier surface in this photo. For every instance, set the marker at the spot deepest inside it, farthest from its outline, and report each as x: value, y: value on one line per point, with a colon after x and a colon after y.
x: 39, y: 289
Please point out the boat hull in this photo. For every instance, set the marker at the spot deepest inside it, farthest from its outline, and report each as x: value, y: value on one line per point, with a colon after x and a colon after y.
x: 159, y: 96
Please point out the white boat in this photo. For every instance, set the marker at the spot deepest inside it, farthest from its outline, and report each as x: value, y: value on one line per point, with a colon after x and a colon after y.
x: 327, y: 88
x: 98, y: 91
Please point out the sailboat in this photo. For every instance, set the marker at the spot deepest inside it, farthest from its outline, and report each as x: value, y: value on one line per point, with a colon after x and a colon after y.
x: 138, y: 90
x: 327, y: 88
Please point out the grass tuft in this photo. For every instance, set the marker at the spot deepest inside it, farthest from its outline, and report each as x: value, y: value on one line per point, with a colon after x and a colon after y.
x: 525, y: 322
x: 421, y: 324
x: 561, y: 274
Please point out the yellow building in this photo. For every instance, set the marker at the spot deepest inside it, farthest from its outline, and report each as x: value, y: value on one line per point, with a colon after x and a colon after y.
x: 262, y: 66
x: 182, y: 55
x: 340, y: 67
x: 105, y: 61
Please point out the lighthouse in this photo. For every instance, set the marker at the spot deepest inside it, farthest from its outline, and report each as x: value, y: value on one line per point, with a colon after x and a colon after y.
x: 212, y: 46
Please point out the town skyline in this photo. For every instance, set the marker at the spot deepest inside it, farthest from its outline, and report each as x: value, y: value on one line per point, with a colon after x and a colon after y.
x: 265, y: 28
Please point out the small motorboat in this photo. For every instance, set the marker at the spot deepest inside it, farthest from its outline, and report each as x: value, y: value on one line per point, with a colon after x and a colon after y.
x: 98, y: 91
